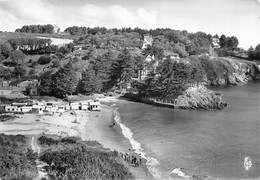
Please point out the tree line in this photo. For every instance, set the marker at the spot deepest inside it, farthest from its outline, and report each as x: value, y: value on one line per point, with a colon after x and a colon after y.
x: 39, y: 29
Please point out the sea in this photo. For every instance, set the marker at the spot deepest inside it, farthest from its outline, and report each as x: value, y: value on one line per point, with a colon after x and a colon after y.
x: 219, y: 144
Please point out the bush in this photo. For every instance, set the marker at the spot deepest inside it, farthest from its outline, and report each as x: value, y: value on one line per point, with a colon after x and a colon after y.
x: 80, y: 162
x: 44, y: 60
x: 30, y: 61
x: 34, y: 63
x: 56, y: 63
x: 17, y: 161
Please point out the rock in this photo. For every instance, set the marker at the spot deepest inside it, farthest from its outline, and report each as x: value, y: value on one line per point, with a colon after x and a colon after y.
x: 200, y: 98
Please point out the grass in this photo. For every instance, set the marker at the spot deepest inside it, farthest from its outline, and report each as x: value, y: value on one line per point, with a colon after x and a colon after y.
x: 5, y: 36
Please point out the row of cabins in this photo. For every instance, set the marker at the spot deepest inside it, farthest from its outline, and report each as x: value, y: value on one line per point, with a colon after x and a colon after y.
x: 40, y: 108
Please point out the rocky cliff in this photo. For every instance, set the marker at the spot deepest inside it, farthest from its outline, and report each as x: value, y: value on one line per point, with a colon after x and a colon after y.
x: 225, y: 71
x: 200, y: 98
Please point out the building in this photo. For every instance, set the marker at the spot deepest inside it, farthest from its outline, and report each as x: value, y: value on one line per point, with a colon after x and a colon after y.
x: 148, y: 40
x: 84, y: 105
x: 74, y: 106
x: 215, y: 42
x: 94, y: 106
x: 37, y: 109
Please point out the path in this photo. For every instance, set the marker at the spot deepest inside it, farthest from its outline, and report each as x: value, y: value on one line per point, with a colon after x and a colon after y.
x: 40, y: 164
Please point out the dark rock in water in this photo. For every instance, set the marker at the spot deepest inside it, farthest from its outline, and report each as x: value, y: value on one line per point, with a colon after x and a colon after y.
x: 200, y: 98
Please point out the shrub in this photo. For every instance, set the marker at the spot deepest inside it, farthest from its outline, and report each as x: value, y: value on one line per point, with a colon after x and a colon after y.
x: 17, y: 161
x: 56, y: 63
x: 44, y: 60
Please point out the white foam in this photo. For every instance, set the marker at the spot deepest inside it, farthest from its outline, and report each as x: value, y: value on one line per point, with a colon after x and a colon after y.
x: 151, y: 162
x: 179, y: 173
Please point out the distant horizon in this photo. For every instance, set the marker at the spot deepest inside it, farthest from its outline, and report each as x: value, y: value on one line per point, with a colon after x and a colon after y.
x: 238, y: 18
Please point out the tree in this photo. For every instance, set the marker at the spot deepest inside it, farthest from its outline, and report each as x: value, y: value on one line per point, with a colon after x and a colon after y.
x: 19, y: 71
x: 122, y: 70
x: 90, y: 83
x: 17, y: 57
x: 44, y: 60
x: 46, y: 83
x: 232, y: 42
x: 65, y: 81
x: 5, y: 50
x: 222, y: 41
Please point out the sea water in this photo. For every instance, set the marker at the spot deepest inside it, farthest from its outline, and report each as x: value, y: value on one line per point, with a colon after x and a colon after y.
x: 221, y: 144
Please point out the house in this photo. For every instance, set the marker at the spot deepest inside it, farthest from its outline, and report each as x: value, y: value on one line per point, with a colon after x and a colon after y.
x: 215, y: 42
x: 78, y: 48
x: 94, y: 106
x: 148, y: 40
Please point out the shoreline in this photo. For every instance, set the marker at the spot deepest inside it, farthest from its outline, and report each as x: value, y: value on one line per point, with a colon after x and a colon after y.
x: 95, y: 126
x: 111, y: 137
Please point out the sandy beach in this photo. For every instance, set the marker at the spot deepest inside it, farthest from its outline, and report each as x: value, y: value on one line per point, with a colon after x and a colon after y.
x: 85, y: 124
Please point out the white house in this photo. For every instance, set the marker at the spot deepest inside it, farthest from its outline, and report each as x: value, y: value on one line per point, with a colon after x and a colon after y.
x: 94, y: 106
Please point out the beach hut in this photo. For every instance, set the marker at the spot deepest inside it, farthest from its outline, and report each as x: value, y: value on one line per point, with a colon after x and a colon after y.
x: 74, y: 106
x: 26, y: 109
x: 11, y: 109
x: 61, y: 109
x: 84, y: 105
x: 94, y: 106
x: 36, y: 109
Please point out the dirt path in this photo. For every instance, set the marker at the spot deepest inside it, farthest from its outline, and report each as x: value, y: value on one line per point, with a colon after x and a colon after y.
x: 40, y: 164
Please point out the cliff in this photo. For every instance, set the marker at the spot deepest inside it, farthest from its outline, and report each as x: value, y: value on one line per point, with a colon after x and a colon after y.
x: 200, y: 98
x: 225, y: 71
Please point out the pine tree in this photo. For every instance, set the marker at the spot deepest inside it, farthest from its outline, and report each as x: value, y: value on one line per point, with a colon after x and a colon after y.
x: 65, y: 81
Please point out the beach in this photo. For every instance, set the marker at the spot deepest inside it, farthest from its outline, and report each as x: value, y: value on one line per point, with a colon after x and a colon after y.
x: 88, y: 125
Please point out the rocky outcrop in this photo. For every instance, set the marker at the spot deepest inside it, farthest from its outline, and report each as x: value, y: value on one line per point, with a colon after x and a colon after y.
x: 225, y: 71
x: 200, y: 98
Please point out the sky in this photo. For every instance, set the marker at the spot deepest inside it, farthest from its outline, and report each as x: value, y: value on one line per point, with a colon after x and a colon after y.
x: 240, y: 18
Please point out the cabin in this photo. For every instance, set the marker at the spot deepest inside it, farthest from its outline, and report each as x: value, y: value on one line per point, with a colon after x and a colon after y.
x: 74, y: 106
x: 11, y: 109
x: 84, y: 105
x: 61, y: 109
x: 94, y: 106
x: 37, y: 109
x: 26, y: 109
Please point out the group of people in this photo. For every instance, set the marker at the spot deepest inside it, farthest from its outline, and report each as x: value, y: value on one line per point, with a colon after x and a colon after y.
x: 132, y: 158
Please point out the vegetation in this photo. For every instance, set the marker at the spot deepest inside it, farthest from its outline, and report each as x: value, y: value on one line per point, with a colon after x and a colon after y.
x: 69, y: 158
x: 39, y: 29
x: 254, y: 53
x: 17, y: 160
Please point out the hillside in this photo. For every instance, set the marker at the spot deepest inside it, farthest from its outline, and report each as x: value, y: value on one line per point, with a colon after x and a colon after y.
x: 101, y: 60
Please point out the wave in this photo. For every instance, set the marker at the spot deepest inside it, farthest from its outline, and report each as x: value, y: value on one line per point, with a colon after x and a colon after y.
x: 151, y: 162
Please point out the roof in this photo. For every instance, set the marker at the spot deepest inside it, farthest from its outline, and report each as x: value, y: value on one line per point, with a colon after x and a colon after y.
x: 94, y: 103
